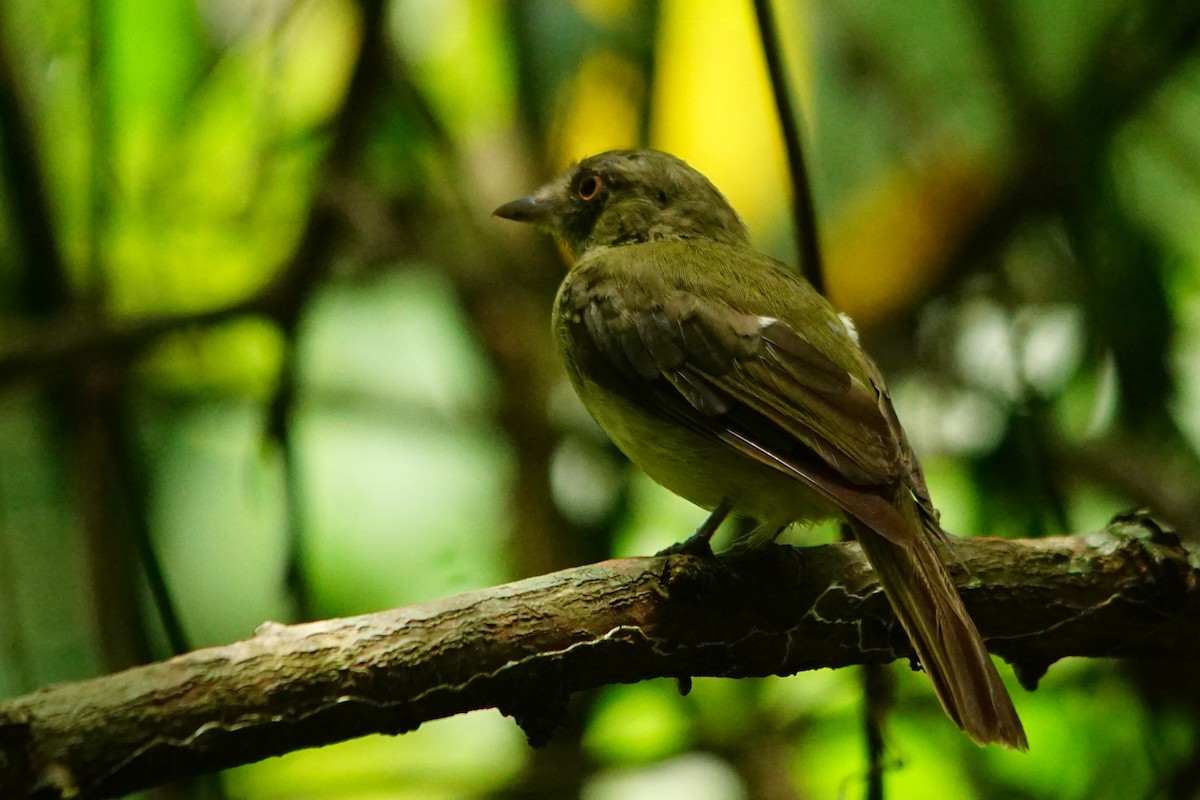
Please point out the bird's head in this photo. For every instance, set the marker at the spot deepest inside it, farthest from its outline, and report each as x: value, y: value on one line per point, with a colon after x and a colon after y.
x: 628, y: 197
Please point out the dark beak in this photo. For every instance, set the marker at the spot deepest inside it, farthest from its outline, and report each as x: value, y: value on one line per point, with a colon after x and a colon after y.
x: 527, y: 209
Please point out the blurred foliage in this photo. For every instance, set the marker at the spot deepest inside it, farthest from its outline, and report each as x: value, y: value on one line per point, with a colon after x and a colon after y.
x: 357, y: 407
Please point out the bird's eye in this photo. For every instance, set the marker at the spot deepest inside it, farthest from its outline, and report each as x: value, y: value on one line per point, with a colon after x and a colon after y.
x: 589, y: 187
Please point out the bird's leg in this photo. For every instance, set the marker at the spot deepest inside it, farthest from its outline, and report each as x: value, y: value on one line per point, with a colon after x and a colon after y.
x: 699, y: 543
x: 752, y: 536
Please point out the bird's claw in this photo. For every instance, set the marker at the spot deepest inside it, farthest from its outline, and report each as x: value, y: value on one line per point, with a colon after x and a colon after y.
x: 697, y: 545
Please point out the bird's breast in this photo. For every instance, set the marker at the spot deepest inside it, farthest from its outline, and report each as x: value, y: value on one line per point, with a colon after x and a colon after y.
x: 694, y: 465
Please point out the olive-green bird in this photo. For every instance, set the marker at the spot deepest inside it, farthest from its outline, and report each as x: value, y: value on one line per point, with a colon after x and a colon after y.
x: 733, y: 383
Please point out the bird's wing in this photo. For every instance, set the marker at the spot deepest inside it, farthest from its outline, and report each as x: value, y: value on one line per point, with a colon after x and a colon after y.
x: 751, y: 380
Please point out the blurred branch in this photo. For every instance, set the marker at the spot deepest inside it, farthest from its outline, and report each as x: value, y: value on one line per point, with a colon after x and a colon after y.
x: 1129, y: 591
x: 808, y: 250
x: 880, y: 692
x: 43, y: 288
x: 14, y: 642
x: 1121, y: 79
x: 86, y: 401
x: 100, y: 139
x: 1152, y: 474
x: 1140, y: 53
x: 505, y: 291
x: 106, y: 519
x: 532, y: 117
x: 309, y: 267
x: 46, y: 287
x: 130, y: 483
x: 65, y: 344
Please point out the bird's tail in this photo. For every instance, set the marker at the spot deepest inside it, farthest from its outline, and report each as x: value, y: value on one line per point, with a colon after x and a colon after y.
x: 946, y: 640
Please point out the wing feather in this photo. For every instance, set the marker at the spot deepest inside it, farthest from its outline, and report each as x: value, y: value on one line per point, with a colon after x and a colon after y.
x: 743, y: 376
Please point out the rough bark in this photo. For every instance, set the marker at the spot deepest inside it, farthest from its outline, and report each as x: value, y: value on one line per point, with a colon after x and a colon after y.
x: 1127, y: 592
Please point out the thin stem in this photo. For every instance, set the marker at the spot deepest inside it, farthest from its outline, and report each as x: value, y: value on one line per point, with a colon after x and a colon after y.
x: 804, y: 215
x: 878, y: 690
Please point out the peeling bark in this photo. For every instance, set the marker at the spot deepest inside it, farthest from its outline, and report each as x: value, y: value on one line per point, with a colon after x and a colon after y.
x: 1127, y: 592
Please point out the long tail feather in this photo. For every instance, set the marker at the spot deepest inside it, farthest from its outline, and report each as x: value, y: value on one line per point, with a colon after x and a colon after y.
x: 946, y: 640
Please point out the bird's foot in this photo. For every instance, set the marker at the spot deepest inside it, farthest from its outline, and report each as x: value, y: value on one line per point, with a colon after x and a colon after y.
x: 699, y: 544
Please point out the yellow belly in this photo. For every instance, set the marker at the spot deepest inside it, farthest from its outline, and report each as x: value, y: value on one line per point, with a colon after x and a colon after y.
x: 699, y: 469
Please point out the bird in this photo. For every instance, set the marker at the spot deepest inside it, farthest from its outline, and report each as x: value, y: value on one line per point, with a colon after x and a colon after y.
x: 729, y: 380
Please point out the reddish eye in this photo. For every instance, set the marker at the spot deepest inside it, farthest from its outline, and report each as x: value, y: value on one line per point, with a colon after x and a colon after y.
x: 589, y: 187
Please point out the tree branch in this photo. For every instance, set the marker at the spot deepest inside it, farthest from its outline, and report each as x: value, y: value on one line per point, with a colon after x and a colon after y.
x: 1129, y: 591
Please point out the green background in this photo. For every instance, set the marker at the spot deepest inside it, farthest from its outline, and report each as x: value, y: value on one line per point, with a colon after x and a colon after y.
x: 353, y: 380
